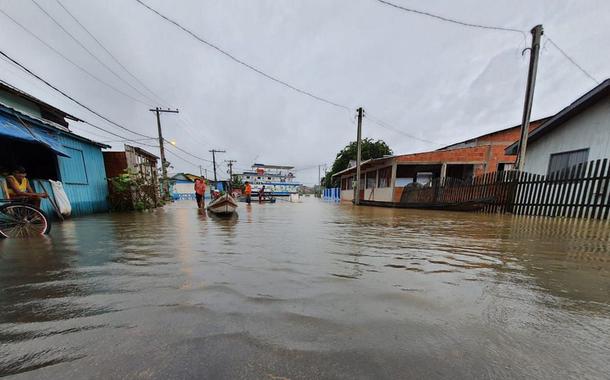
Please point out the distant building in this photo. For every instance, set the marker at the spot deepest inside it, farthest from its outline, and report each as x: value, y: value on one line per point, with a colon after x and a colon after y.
x: 182, y: 186
x: 35, y: 135
x: 383, y: 179
x: 576, y: 134
x: 277, y: 180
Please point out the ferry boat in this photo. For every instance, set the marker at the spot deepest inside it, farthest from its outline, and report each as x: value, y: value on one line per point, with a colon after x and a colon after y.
x: 279, y: 180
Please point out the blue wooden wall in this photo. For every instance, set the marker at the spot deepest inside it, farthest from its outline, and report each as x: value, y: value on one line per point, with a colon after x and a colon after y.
x: 83, y: 176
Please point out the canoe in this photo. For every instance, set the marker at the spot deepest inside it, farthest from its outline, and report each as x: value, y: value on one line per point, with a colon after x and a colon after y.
x: 223, y: 205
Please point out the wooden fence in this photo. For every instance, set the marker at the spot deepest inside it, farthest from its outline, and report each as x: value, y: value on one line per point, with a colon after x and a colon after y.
x: 581, y: 191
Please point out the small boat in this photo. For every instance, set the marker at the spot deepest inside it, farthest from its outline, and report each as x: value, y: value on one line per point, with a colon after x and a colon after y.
x: 223, y: 205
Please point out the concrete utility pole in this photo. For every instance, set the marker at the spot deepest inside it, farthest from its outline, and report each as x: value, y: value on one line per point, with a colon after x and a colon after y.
x: 165, y: 180
x: 358, y: 157
x: 214, y: 151
x: 537, y: 32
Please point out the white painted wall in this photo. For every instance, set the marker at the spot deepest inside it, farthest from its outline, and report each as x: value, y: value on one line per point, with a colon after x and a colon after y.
x: 590, y: 129
x: 347, y: 195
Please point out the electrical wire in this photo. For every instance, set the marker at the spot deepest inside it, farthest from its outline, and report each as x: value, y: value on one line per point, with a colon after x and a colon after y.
x: 90, y: 52
x: 70, y: 97
x: 182, y: 158
x: 114, y: 58
x: 385, y: 125
x: 572, y: 60
x: 184, y: 151
x: 241, y: 62
x: 451, y: 20
x: 71, y: 61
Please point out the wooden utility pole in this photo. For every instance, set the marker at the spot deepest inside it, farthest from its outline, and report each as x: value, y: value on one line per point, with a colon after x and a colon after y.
x: 230, y: 165
x: 358, y: 157
x: 537, y: 32
x: 214, y: 151
x: 164, y: 179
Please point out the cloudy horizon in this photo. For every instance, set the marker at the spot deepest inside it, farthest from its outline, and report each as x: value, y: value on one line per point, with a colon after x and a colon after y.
x: 437, y: 82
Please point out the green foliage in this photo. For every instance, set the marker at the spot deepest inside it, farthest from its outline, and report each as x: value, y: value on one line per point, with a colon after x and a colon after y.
x: 370, y: 149
x: 131, y: 191
x: 236, y: 182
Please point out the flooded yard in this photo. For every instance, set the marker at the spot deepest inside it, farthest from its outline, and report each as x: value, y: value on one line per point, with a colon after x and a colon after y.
x: 307, y: 290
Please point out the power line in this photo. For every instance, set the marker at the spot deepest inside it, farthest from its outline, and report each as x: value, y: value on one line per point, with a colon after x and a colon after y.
x: 70, y: 97
x: 571, y: 60
x: 451, y: 20
x: 182, y: 158
x: 184, y: 151
x: 89, y: 51
x: 114, y: 58
x: 71, y: 61
x: 241, y: 62
x: 385, y: 125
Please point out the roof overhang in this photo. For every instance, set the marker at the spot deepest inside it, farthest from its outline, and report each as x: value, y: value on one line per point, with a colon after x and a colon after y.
x: 578, y: 106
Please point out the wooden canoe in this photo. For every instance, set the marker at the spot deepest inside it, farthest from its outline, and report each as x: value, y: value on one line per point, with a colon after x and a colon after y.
x: 223, y: 205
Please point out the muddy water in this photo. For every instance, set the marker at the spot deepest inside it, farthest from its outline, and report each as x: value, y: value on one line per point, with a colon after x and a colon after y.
x: 309, y: 290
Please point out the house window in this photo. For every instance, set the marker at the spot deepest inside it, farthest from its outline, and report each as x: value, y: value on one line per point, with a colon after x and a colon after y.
x: 350, y: 183
x: 73, y: 169
x: 564, y: 160
x: 384, y: 177
x: 505, y: 166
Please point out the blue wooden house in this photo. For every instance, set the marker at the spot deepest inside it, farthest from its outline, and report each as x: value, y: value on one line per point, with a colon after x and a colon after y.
x: 35, y: 135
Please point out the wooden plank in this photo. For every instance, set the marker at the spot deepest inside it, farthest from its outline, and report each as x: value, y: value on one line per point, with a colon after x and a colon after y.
x: 521, y: 193
x: 598, y: 194
x: 576, y: 184
x: 591, y: 192
x: 546, y: 194
x: 606, y: 197
x: 559, y: 189
x: 582, y: 190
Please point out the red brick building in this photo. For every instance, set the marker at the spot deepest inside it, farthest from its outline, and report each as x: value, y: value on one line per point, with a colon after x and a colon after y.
x: 383, y: 179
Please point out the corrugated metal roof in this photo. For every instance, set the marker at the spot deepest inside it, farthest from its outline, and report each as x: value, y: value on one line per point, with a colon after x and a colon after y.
x: 8, y: 87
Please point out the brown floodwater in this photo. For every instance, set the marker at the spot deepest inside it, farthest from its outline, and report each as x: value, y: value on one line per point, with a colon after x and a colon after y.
x: 307, y: 290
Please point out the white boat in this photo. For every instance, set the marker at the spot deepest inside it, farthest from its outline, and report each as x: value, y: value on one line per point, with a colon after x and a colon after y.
x: 223, y: 205
x: 277, y: 180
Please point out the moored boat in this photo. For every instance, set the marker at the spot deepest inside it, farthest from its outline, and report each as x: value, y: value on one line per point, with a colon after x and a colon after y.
x: 223, y: 205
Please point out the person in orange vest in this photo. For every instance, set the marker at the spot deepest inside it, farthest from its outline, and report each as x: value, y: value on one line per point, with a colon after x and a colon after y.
x: 200, y: 192
x: 248, y: 192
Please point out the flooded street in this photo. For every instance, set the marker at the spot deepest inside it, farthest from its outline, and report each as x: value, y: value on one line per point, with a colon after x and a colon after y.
x: 307, y: 290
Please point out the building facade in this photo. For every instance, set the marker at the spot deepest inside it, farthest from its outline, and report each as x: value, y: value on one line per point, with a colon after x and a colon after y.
x: 383, y: 179
x: 35, y: 135
x: 576, y: 134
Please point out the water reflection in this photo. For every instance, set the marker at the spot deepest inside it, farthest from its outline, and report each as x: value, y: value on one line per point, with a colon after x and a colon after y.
x: 304, y: 286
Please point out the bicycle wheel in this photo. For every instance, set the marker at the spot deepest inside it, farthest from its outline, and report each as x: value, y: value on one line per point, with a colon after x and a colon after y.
x: 22, y: 220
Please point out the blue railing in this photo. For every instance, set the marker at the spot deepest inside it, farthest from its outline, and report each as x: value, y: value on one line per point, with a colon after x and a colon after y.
x: 332, y: 194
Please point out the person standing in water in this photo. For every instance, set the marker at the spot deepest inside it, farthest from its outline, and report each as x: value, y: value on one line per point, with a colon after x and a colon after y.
x: 200, y: 192
x: 248, y: 192
x: 261, y: 194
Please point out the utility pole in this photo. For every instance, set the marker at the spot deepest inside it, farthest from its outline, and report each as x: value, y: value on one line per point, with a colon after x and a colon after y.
x: 200, y: 171
x: 230, y: 165
x: 358, y: 157
x: 214, y: 151
x: 537, y: 32
x: 165, y: 180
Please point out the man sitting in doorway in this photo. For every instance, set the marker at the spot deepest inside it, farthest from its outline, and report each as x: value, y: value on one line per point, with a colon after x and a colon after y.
x: 19, y: 188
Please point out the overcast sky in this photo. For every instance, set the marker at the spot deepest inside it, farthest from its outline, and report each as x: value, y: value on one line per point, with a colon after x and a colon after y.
x: 436, y: 81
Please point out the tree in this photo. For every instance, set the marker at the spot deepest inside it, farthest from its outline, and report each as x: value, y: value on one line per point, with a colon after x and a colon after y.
x: 370, y: 149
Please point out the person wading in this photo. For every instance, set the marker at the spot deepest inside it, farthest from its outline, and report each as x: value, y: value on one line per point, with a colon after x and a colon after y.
x: 200, y: 192
x: 19, y: 188
x: 248, y: 192
x: 261, y: 195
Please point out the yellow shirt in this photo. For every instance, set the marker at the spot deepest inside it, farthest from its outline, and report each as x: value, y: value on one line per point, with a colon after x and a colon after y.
x: 22, y: 187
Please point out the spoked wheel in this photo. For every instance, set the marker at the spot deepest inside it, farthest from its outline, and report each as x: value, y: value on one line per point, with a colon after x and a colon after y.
x: 22, y: 220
